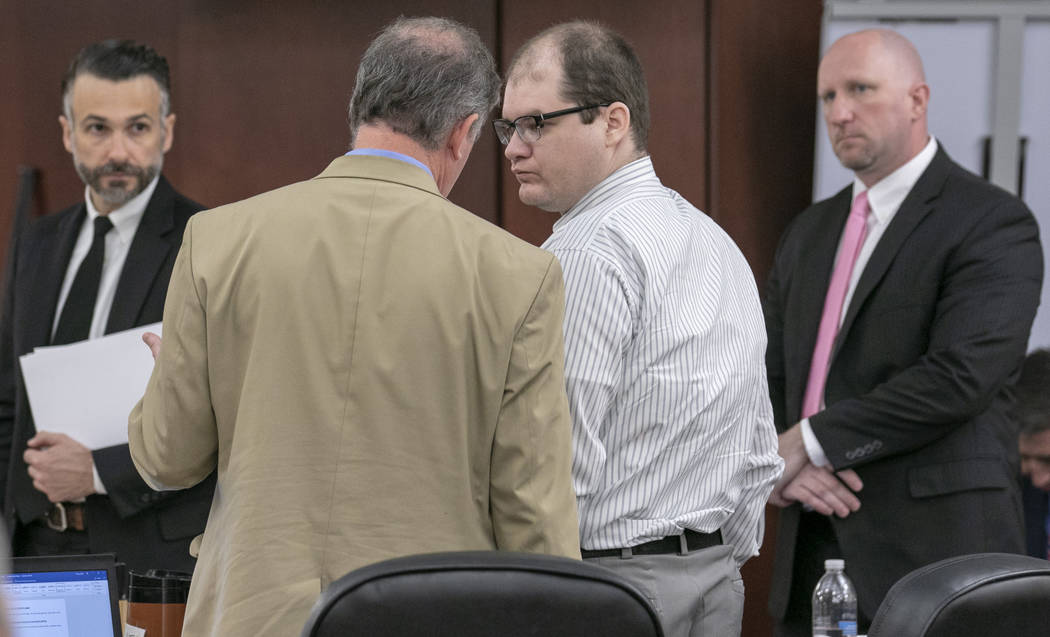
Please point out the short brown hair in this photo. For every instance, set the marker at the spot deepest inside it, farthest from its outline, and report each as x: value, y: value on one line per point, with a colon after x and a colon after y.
x: 598, y: 66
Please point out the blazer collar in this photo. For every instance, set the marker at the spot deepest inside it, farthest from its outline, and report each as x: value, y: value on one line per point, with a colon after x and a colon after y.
x: 382, y: 169
x: 153, y: 242
x: 919, y: 202
x: 47, y: 258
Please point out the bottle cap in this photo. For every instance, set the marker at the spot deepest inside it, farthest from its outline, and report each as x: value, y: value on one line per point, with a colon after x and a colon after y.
x: 834, y: 565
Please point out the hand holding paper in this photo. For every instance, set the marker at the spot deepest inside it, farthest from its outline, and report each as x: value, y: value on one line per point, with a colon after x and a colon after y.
x: 153, y: 341
x: 87, y: 389
x: 60, y: 467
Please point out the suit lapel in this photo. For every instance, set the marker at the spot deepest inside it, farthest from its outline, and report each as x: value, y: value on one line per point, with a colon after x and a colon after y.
x: 149, y: 249
x: 919, y: 202
x: 47, y: 258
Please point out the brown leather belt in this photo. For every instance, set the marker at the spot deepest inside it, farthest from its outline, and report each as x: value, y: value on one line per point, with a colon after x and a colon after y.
x: 65, y: 516
x: 685, y: 543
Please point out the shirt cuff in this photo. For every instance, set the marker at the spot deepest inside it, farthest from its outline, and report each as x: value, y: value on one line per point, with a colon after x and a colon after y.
x: 813, y: 449
x: 99, y: 487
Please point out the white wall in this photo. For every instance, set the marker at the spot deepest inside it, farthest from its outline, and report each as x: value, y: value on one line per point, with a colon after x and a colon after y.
x: 1035, y: 124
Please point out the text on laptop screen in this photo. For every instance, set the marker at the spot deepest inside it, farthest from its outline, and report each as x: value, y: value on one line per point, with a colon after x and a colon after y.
x: 59, y: 604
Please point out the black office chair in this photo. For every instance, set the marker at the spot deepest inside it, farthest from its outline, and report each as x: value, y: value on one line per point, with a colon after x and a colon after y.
x: 979, y: 595
x: 474, y: 593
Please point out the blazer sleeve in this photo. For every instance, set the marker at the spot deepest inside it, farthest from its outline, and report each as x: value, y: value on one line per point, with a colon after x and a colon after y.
x: 985, y: 303
x: 532, y: 500
x: 171, y: 431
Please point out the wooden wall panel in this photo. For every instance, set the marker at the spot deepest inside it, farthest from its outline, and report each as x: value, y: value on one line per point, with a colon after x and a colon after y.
x: 669, y: 38
x: 267, y: 86
x: 763, y: 110
x: 11, y: 124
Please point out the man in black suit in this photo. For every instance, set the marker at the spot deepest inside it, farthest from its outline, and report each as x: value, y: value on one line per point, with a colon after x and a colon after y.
x: 894, y: 338
x: 1033, y: 419
x: 98, y: 267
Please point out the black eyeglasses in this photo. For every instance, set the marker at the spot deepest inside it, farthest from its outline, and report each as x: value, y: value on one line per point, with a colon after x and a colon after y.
x: 528, y: 126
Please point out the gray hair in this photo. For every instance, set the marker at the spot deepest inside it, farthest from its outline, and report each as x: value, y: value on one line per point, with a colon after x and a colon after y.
x: 118, y: 60
x: 421, y: 76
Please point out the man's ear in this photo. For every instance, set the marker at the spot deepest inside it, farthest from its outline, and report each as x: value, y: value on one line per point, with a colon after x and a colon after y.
x: 617, y: 123
x: 169, y: 131
x: 67, y: 132
x: 461, y: 141
x: 920, y: 100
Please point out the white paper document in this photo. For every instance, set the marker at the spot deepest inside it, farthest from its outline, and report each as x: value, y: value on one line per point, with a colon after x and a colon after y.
x: 86, y: 390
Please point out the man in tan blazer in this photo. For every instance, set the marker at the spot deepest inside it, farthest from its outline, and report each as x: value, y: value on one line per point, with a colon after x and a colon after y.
x: 373, y: 370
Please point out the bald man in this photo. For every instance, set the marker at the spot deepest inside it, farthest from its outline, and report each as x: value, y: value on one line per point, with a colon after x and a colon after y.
x: 898, y: 313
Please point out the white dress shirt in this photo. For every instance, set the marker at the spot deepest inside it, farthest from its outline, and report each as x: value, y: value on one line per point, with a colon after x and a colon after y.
x: 665, y: 350
x: 885, y: 199
x: 126, y: 221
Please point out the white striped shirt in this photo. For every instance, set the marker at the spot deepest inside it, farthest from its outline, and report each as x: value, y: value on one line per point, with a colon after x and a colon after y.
x: 665, y: 371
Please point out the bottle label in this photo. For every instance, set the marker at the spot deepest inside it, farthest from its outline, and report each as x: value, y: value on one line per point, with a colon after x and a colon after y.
x: 847, y: 628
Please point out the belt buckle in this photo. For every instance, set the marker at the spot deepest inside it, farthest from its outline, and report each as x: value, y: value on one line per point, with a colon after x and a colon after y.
x: 56, y: 517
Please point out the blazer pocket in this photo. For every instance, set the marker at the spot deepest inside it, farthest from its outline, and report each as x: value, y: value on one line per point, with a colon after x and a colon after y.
x: 957, y: 475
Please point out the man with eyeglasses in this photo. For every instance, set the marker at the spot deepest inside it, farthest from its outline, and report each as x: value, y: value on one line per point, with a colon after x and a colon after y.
x: 673, y: 438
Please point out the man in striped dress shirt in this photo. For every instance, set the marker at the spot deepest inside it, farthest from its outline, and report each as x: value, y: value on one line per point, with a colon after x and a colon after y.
x: 674, y: 443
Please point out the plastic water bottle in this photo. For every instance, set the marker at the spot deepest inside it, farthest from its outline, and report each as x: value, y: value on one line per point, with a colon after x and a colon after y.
x: 834, y: 603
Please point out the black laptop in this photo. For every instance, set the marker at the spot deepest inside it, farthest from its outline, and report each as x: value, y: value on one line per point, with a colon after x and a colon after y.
x: 74, y: 595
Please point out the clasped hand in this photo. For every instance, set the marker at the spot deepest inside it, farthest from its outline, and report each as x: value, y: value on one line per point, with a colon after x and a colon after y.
x: 820, y: 488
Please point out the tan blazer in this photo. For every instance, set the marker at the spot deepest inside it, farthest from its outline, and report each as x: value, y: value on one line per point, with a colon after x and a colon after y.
x: 374, y: 371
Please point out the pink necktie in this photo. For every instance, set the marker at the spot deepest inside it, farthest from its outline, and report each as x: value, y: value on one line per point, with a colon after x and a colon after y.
x: 852, y: 239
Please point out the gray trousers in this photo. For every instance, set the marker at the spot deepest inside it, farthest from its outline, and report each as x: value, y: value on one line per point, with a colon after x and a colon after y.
x: 699, y: 594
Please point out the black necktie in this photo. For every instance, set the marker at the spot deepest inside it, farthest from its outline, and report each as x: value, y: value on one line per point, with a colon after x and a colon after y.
x: 75, y: 322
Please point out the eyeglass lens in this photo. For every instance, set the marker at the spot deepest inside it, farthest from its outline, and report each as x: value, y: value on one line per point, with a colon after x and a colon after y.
x: 525, y: 127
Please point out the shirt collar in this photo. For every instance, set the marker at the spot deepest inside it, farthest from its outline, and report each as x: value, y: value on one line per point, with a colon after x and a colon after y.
x: 125, y: 218
x: 390, y: 154
x: 886, y: 196
x: 626, y: 177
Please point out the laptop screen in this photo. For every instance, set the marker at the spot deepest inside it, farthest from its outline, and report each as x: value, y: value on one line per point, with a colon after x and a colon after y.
x: 71, y: 596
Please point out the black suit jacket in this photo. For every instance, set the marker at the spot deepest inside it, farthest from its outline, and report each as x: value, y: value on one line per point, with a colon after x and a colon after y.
x: 145, y: 528
x: 918, y: 387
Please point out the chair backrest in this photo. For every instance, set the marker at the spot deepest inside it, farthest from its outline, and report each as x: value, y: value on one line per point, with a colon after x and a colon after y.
x: 980, y: 595
x: 464, y: 594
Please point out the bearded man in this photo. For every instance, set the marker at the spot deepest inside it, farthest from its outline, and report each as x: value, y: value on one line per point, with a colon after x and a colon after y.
x: 98, y: 267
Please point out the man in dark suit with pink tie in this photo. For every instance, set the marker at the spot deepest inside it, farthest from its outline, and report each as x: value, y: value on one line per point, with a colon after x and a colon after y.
x: 898, y: 313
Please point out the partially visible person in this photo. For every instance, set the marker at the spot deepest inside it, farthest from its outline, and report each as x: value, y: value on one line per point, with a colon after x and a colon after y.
x: 374, y: 371
x: 1033, y: 420
x: 674, y: 444
x: 98, y: 267
x: 898, y: 313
